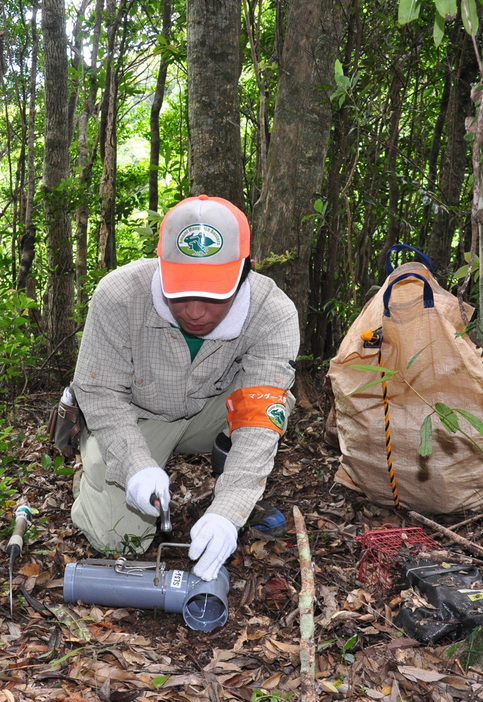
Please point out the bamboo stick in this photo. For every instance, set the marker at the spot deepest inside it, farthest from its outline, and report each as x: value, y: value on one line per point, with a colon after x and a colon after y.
x: 456, y: 538
x: 306, y: 609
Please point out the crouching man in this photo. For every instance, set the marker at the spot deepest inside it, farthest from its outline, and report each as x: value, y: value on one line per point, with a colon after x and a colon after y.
x: 188, y: 352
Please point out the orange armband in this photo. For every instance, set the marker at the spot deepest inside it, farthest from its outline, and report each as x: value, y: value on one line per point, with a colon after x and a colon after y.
x: 259, y: 406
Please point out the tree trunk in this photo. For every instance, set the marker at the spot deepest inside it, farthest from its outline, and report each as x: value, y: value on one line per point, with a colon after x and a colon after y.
x: 396, y: 100
x: 107, y: 232
x: 215, y: 162
x: 434, y: 156
x: 108, y: 147
x: 155, y: 111
x: 27, y: 240
x: 455, y: 161
x: 282, y: 219
x: 86, y: 159
x: 328, y: 251
x: 60, y: 325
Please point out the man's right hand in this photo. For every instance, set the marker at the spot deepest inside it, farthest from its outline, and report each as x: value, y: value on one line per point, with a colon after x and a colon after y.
x: 142, y: 485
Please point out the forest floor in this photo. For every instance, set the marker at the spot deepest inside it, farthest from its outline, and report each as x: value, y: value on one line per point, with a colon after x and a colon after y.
x: 50, y: 650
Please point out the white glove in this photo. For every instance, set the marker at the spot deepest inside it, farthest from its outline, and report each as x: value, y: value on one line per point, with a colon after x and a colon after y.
x: 215, y: 537
x: 143, y: 484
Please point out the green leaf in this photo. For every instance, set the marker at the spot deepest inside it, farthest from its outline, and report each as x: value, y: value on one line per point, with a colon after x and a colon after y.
x: 461, y: 272
x: 469, y: 16
x: 66, y: 470
x: 338, y: 70
x: 438, y: 30
x: 369, y: 385
x: 425, y: 446
x: 411, y: 360
x: 58, y: 462
x: 155, y: 215
x: 447, y: 417
x: 160, y: 680
x: 408, y: 11
x: 46, y: 461
x: 144, y: 230
x: 376, y: 369
x: 474, y: 421
x: 387, y: 374
x: 447, y: 8
x: 476, y: 260
x: 350, y: 643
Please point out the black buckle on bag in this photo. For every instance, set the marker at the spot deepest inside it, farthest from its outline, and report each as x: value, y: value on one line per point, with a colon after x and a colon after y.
x: 375, y: 342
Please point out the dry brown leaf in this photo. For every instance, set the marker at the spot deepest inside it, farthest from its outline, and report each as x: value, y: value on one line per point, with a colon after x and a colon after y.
x: 286, y: 647
x: 258, y: 549
x: 30, y: 570
x: 133, y: 658
x: 220, y: 666
x: 277, y: 588
x: 290, y: 468
x: 456, y: 681
x: 238, y: 645
x: 272, y: 682
x: 270, y: 645
x: 188, y: 679
x: 416, y: 674
x: 43, y: 579
x: 358, y: 598
x: 270, y: 653
x: 256, y: 634
x: 343, y: 614
x: 248, y: 593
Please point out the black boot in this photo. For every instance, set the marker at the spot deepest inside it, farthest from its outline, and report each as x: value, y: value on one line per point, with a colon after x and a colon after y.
x: 264, y: 517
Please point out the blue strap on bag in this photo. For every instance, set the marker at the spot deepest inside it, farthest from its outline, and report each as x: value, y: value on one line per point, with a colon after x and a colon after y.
x: 401, y: 247
x: 428, y: 297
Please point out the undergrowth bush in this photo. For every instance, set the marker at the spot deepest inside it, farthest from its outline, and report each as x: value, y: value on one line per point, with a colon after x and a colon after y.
x: 19, y: 347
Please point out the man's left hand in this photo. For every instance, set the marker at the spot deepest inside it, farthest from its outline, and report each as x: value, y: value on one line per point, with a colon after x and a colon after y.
x: 214, y: 538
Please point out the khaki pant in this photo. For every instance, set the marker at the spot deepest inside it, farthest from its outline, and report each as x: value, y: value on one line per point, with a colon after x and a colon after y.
x: 101, y: 511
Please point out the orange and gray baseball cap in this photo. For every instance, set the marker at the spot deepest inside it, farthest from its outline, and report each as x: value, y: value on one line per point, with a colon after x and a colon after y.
x: 203, y: 244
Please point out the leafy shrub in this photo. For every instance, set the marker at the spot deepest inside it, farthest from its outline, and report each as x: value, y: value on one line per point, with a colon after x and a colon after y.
x: 17, y: 344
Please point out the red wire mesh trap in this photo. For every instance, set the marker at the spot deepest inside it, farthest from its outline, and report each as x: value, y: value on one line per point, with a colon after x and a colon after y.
x: 380, y: 549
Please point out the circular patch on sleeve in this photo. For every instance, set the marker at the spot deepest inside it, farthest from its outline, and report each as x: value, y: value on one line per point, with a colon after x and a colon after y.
x: 276, y: 414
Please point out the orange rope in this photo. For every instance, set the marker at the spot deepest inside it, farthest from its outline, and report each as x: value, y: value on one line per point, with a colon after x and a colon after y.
x: 387, y: 430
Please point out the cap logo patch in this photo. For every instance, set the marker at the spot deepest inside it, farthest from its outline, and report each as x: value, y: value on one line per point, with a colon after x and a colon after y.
x: 276, y: 414
x: 199, y: 241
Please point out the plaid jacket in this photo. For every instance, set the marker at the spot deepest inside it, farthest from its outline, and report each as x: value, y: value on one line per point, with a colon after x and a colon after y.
x: 133, y: 364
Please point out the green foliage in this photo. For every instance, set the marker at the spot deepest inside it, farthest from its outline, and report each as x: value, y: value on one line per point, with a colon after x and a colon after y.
x: 385, y: 160
x: 132, y: 189
x: 446, y: 415
x: 469, y: 652
x: 340, y: 312
x: 274, y: 259
x: 262, y: 696
x: 347, y: 656
x: 8, y: 440
x: 445, y: 11
x: 18, y: 345
x: 56, y: 465
x: 346, y: 85
x: 461, y: 273
x: 159, y: 680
